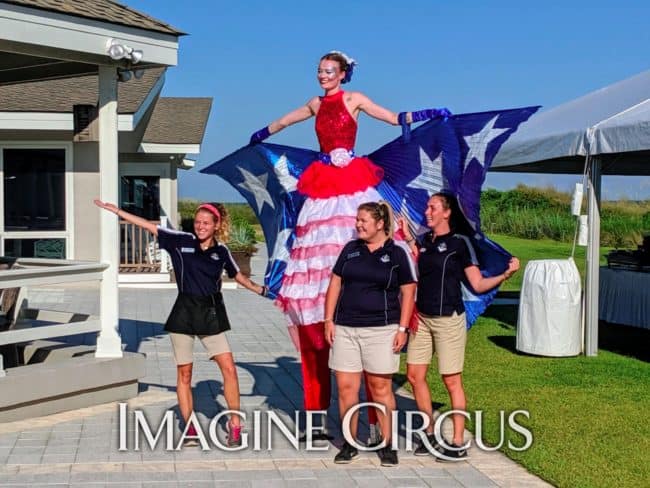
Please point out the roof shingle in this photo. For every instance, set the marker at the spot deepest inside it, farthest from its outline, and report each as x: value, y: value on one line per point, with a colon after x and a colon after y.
x: 178, y: 121
x: 103, y: 10
x: 60, y: 95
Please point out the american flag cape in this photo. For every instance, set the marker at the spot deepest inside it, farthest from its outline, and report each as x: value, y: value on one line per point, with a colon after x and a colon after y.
x: 451, y: 155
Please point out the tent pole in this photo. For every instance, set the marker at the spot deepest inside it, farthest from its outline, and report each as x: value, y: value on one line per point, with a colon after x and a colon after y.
x: 593, y: 258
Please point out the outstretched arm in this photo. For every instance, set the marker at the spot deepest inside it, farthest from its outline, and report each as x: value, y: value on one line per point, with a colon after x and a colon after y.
x: 293, y: 117
x: 362, y: 103
x: 247, y: 283
x: 481, y: 284
x: 123, y: 214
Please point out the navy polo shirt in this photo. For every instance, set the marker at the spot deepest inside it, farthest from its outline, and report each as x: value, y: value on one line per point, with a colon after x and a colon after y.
x: 370, y: 283
x: 198, y: 272
x: 441, y: 270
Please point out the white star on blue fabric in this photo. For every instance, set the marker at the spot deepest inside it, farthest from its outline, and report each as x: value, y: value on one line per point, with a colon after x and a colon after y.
x: 256, y: 184
x: 430, y: 176
x: 479, y: 141
x: 416, y: 227
x: 468, y: 296
x: 280, y: 250
x: 287, y: 180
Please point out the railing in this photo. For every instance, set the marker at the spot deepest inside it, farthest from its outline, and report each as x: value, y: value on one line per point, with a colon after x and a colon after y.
x: 35, y: 272
x: 139, y: 251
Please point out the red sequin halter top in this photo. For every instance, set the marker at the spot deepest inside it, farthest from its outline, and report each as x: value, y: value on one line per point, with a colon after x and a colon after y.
x: 335, y: 127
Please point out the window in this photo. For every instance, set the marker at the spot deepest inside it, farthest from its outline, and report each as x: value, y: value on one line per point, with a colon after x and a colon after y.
x: 36, y: 200
x: 34, y: 189
x: 35, y: 248
x: 140, y: 195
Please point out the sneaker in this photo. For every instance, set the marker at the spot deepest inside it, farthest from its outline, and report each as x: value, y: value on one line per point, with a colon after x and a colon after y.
x: 347, y: 454
x: 189, y: 442
x: 315, y: 436
x: 234, y: 434
x: 374, y: 439
x: 423, y: 450
x: 387, y: 456
x: 451, y: 455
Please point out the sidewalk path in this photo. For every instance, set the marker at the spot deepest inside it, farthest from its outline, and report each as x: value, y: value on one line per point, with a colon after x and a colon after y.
x: 80, y: 447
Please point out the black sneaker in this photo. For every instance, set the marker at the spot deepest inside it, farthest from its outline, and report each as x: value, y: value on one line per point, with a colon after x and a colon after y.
x: 423, y: 450
x: 316, y: 436
x: 347, y: 454
x: 387, y: 456
x: 374, y: 439
x: 445, y: 454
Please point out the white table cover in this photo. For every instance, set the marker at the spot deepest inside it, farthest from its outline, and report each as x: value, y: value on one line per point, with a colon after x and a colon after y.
x: 549, y: 322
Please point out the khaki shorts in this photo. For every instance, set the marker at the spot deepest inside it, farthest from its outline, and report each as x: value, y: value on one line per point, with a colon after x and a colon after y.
x: 183, y: 345
x: 370, y: 349
x: 445, y: 336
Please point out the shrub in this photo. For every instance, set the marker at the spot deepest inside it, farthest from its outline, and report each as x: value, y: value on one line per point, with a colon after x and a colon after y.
x: 533, y: 213
x: 236, y: 211
x: 242, y: 237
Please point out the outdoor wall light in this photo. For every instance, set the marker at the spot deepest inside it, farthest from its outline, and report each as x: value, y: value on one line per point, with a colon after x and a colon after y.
x: 119, y: 51
x: 124, y: 75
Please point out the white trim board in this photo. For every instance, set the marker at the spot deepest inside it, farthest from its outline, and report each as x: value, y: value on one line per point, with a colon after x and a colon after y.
x: 59, y: 36
x: 155, y: 148
x: 55, y: 121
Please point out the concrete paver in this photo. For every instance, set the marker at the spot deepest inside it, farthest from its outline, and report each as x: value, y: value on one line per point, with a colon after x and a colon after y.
x: 80, y: 448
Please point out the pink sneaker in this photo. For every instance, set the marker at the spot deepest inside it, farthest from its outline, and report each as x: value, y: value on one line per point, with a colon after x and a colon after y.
x: 234, y: 434
x: 188, y: 442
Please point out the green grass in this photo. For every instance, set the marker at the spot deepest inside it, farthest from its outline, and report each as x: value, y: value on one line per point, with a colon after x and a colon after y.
x: 527, y: 250
x: 588, y: 416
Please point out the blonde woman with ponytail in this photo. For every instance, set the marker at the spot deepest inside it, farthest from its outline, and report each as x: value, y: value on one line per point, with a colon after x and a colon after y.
x: 368, y: 305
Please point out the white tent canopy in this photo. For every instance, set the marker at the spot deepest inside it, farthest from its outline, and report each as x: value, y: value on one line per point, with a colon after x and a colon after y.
x: 605, y: 132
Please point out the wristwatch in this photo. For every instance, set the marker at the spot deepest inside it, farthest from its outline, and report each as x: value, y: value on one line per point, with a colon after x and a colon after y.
x: 403, y: 329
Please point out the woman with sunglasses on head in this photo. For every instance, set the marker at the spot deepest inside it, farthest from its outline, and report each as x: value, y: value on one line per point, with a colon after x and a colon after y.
x: 199, y: 260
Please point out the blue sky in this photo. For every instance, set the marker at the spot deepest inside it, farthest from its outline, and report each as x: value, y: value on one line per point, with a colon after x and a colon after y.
x: 258, y: 59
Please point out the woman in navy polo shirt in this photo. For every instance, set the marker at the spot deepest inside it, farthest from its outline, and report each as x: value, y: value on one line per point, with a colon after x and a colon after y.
x: 445, y: 259
x: 364, y: 322
x: 199, y: 260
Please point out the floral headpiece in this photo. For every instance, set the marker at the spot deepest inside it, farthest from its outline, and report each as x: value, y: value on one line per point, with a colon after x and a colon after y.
x: 351, y: 64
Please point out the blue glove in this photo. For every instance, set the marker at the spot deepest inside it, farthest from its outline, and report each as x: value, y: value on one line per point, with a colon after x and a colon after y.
x: 406, y: 127
x: 427, y: 114
x: 260, y: 135
x: 430, y: 113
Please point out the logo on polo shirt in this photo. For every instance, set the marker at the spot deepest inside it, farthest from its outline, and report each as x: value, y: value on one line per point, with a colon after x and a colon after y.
x: 187, y: 249
x: 214, y: 256
x: 442, y: 247
x: 385, y: 258
x: 354, y: 255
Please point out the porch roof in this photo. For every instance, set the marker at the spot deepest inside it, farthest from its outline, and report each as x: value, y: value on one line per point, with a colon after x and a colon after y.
x: 59, y: 95
x: 103, y: 10
x: 178, y: 121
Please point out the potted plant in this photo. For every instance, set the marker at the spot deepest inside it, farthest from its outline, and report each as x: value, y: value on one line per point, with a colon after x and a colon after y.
x: 241, y: 243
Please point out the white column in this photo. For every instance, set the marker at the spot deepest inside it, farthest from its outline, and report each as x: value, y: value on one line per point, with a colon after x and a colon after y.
x: 593, y: 259
x: 109, y: 344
